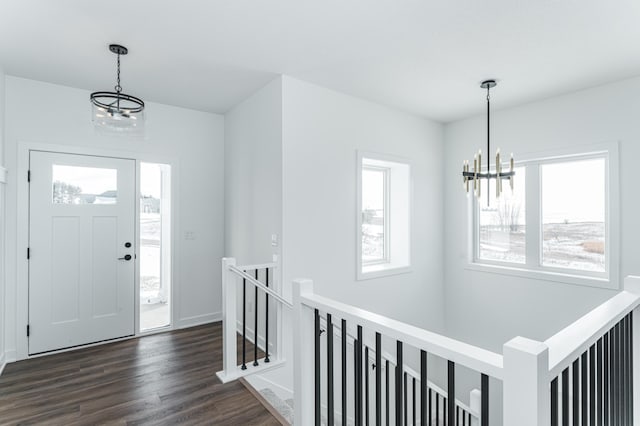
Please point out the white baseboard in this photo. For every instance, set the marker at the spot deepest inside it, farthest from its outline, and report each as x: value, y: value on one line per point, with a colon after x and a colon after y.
x: 258, y: 382
x: 199, y: 320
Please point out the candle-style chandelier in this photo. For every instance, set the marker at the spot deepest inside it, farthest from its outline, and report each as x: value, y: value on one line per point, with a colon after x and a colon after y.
x: 476, y: 176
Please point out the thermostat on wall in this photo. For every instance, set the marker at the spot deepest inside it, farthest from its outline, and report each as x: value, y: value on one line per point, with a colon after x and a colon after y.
x: 3, y: 175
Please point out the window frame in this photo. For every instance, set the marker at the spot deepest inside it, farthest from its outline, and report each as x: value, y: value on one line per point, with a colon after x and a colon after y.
x: 396, y: 261
x: 533, y: 267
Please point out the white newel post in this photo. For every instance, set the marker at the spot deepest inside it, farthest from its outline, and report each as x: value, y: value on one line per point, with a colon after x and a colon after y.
x: 632, y: 285
x: 303, y: 356
x: 229, y: 322
x: 526, y: 394
x: 475, y: 403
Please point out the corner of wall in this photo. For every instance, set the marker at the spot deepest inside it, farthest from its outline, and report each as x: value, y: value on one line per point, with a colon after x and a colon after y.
x: 3, y: 322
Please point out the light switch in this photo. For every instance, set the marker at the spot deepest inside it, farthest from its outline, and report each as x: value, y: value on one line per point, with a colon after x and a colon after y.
x: 274, y: 240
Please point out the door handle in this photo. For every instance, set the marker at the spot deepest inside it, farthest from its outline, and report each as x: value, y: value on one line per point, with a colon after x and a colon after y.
x: 126, y: 257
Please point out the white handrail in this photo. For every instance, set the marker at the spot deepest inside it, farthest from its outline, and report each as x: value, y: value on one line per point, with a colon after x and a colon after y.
x: 271, y: 265
x: 569, y: 343
x: 261, y: 286
x: 473, y: 357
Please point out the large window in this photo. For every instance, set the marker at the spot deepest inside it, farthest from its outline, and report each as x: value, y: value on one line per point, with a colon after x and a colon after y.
x: 502, y: 223
x: 384, y: 188
x: 573, y: 214
x: 556, y: 223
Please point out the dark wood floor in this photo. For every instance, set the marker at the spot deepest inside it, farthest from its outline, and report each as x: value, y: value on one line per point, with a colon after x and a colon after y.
x: 166, y: 378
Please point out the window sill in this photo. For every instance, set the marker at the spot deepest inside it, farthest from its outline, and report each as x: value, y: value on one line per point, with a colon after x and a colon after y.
x: 382, y: 270
x: 560, y: 277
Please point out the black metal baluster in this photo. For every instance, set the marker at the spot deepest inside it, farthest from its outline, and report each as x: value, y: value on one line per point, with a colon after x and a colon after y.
x: 355, y: 381
x: 451, y: 391
x: 423, y: 388
x: 387, y: 385
x: 599, y: 375
x: 437, y: 409
x: 330, y: 408
x: 614, y: 376
x: 366, y: 385
x: 430, y: 408
x: 343, y: 331
x: 615, y: 388
x: 592, y: 385
x: 606, y: 380
x: 565, y: 397
x: 484, y: 404
x: 631, y: 337
x: 413, y: 405
x: 457, y: 416
x: 575, y: 403
x: 266, y: 318
x: 255, y: 325
x: 406, y: 398
x: 359, y: 374
x: 554, y: 402
x: 583, y: 389
x: 623, y: 419
x: 317, y: 366
x: 378, y: 379
x: 628, y: 375
x: 244, y: 323
x: 444, y: 409
x: 399, y: 362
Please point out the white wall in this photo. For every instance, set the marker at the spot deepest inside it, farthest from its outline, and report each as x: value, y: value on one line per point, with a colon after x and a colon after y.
x: 44, y: 113
x: 253, y: 176
x: 322, y: 132
x: 488, y: 309
x: 2, y: 224
x: 253, y: 192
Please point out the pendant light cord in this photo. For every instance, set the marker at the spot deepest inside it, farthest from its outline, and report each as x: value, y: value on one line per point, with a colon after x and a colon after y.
x: 489, y: 144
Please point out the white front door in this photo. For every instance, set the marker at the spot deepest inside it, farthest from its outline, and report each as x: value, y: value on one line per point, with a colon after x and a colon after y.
x: 81, y: 249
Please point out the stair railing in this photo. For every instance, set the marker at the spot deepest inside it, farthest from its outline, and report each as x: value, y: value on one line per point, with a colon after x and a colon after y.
x: 258, y: 287
x: 582, y: 375
x: 372, y: 397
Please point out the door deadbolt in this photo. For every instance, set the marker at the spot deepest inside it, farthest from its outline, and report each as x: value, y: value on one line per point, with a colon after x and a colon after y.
x: 127, y: 244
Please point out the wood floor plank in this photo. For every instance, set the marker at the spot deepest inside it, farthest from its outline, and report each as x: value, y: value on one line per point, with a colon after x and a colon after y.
x: 163, y: 379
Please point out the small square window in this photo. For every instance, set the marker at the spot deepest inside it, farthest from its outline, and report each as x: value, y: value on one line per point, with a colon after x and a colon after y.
x: 384, y: 190
x: 375, y: 211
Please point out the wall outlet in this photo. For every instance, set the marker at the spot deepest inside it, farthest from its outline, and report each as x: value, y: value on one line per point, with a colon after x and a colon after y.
x: 274, y: 240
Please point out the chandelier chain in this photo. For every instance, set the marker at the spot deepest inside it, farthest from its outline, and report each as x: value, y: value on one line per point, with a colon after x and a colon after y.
x: 118, y: 87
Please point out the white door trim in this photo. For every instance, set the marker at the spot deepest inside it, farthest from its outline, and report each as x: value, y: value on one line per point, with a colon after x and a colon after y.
x: 22, y: 231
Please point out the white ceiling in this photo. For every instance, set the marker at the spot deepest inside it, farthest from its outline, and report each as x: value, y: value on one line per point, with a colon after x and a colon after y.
x: 422, y: 56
